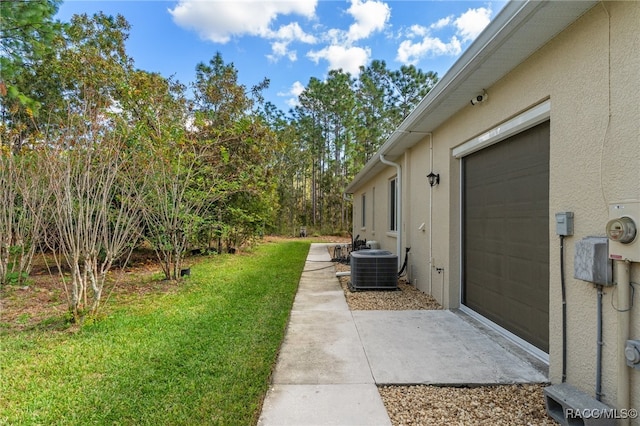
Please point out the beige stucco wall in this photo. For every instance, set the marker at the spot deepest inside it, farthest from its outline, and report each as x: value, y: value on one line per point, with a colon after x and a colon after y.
x: 377, y: 220
x: 591, y: 75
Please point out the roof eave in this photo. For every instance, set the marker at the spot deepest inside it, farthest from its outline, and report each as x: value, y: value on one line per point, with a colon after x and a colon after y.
x: 463, y: 79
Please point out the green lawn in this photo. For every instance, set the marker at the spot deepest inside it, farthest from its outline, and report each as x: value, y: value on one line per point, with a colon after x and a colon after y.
x: 200, y: 356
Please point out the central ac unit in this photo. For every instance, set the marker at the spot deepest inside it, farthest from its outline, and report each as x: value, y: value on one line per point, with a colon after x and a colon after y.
x: 373, y: 270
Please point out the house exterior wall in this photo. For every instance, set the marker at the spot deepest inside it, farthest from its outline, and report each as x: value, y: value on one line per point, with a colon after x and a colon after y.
x: 377, y: 223
x: 590, y: 73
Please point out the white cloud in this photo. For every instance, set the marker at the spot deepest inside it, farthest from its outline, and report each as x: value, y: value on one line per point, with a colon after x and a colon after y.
x: 471, y: 23
x: 218, y: 21
x: 349, y: 59
x: 417, y: 31
x: 466, y: 27
x: 285, y: 35
x: 291, y: 32
x: 292, y: 102
x: 335, y: 36
x: 441, y: 23
x: 410, y: 52
x: 370, y: 16
x: 297, y: 88
x: 294, y: 92
x: 280, y: 49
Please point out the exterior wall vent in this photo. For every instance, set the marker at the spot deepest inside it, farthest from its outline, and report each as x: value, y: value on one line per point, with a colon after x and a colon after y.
x: 373, y: 270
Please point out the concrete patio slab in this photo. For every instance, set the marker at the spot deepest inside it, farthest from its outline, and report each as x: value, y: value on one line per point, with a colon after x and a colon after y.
x: 442, y: 348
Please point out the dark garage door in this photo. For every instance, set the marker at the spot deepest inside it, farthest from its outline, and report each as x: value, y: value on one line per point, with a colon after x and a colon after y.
x: 506, y: 234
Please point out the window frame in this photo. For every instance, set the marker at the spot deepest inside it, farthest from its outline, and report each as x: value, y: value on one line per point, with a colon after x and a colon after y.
x: 363, y: 215
x: 393, y: 205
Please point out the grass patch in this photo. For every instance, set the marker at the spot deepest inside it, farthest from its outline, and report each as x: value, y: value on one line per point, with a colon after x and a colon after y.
x: 202, y: 355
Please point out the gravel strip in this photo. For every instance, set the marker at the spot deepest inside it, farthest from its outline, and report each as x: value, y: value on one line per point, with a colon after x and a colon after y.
x: 407, y: 298
x: 485, y: 405
x: 436, y: 405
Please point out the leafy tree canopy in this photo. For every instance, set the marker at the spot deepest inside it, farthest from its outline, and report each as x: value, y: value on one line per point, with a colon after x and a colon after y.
x: 27, y: 32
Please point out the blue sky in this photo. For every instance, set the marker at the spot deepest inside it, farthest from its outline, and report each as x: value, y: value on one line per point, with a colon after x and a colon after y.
x: 289, y: 42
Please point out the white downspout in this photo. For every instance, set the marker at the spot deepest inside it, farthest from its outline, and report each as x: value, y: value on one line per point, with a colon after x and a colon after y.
x: 399, y: 206
x: 431, y: 218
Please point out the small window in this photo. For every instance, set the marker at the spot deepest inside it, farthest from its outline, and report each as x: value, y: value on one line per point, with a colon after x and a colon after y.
x: 373, y: 209
x: 393, y: 204
x: 364, y: 210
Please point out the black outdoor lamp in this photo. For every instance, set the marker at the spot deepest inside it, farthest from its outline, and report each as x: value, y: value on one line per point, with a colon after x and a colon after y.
x: 433, y: 178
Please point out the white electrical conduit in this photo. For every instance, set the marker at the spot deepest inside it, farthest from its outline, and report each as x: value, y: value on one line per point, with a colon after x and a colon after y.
x: 399, y: 206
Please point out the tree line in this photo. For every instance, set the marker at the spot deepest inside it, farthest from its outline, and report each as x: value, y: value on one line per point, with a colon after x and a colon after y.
x: 98, y: 157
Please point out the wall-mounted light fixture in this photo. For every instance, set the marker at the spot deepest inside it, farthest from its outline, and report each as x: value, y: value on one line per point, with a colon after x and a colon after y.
x: 433, y: 178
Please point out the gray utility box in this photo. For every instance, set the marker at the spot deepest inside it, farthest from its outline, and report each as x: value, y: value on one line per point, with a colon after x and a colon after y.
x: 373, y: 270
x: 564, y: 223
x: 591, y: 262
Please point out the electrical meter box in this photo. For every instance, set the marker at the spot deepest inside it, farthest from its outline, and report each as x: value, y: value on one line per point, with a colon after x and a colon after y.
x: 623, y: 231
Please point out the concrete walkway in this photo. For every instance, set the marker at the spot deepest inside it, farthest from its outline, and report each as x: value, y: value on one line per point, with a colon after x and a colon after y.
x: 332, y: 359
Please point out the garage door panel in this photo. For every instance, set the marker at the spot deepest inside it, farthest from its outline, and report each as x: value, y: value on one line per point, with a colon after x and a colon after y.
x: 506, y: 241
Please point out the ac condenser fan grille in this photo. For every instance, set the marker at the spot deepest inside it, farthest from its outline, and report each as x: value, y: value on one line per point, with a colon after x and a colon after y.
x: 374, y: 270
